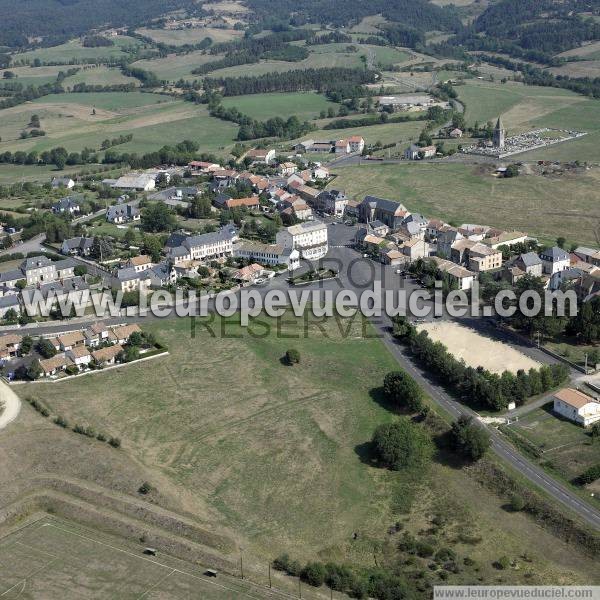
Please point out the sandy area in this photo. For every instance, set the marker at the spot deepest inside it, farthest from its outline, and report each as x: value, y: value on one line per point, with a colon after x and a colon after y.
x: 478, y: 350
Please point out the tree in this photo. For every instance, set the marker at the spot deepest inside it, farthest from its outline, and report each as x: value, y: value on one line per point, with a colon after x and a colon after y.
x: 403, y: 391
x: 26, y: 345
x: 153, y: 247
x: 292, y: 356
x: 561, y: 241
x: 594, y: 431
x: 158, y: 217
x: 129, y: 237
x: 517, y: 503
x: 45, y: 348
x: 402, y: 444
x: 129, y: 353
x: 80, y: 270
x: 468, y: 439
x: 30, y: 372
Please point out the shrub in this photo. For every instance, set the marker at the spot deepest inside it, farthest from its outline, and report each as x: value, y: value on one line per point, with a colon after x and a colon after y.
x: 402, y: 444
x: 468, y: 439
x: 145, y: 488
x: 292, y: 357
x: 590, y: 475
x: 403, y: 391
x: 502, y: 563
x: 115, y: 442
x: 101, y: 437
x: 517, y: 503
x: 61, y: 421
x: 282, y: 562
x: 314, y: 574
x: 424, y: 549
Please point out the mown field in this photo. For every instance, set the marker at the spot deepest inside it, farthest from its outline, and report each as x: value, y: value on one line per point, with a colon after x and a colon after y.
x: 277, y: 456
x: 179, y: 37
x: 74, y: 50
x: 98, y: 75
x: 266, y: 106
x: 176, y: 66
x: 545, y: 208
x: 153, y: 119
x: 32, y: 75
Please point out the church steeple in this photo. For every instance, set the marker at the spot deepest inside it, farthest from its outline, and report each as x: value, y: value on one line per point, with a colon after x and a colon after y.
x: 499, y: 134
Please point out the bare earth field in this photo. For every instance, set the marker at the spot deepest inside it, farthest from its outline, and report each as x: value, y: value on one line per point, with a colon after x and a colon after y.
x: 477, y: 350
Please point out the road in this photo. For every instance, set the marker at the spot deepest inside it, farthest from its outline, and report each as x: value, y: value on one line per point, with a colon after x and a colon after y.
x: 11, y: 405
x: 359, y: 278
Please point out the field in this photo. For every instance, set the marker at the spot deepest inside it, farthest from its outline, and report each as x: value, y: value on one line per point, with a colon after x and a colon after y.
x: 176, y: 66
x: 179, y: 37
x: 469, y: 194
x: 305, y: 106
x: 567, y: 447
x: 33, y: 75
x: 478, y: 350
x: 56, y: 558
x: 98, y: 75
x: 74, y: 50
x: 153, y: 119
x: 275, y: 455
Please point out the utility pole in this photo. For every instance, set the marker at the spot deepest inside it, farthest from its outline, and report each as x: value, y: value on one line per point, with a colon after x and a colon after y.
x: 299, y: 589
x: 270, y: 575
x: 242, y: 566
x: 586, y: 360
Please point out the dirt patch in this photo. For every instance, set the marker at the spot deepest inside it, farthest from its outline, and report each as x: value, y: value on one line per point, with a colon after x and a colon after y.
x: 478, y: 350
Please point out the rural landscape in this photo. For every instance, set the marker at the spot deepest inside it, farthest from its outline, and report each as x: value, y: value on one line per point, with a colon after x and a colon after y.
x: 299, y: 299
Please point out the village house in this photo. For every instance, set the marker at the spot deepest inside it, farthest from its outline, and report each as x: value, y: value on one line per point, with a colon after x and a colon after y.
x: 389, y: 212
x: 524, y: 264
x: 433, y: 228
x: 555, y: 259
x: 62, y: 182
x: 456, y: 133
x: 392, y: 257
x: 457, y: 274
x: 9, y: 345
x: 141, y: 182
x: 108, y: 355
x: 69, y: 205
x: 130, y: 280
x: 203, y: 166
x: 51, y: 366
x: 139, y: 263
x: 332, y: 202
x: 295, y: 207
x: 122, y: 213
x: 342, y: 147
x: 414, y: 152
x: 356, y: 143
x: 505, y: 238
x: 309, y: 238
x: 287, y: 168
x: 261, y: 155
x: 379, y: 228
x: 68, y: 341
x: 80, y: 356
x: 576, y: 406
x: 588, y: 255
x: 477, y: 256
x: 10, y: 302
x: 447, y: 236
x: 77, y: 246
x: 414, y: 249
x: 224, y: 201
x: 122, y: 333
x: 268, y: 254
x: 320, y: 173
x: 249, y: 274
x: 218, y: 244
x: 308, y: 194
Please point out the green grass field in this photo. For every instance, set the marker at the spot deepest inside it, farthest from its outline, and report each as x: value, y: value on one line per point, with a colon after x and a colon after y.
x: 469, y: 194
x: 74, y: 50
x: 272, y: 453
x: 176, y: 66
x: 179, y: 37
x: 153, y: 119
x: 32, y: 75
x: 567, y: 446
x: 265, y: 106
x: 98, y: 75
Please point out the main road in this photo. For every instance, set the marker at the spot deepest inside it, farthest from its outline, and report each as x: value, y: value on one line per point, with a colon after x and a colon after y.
x: 358, y: 275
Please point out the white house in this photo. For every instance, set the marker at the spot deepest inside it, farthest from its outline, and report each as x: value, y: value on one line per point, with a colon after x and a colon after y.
x: 309, y: 238
x: 260, y: 155
x: 554, y: 260
x: 268, y: 254
x: 576, y: 406
x: 62, y: 182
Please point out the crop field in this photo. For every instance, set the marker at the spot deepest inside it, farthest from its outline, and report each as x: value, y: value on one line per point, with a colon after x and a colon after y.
x: 179, y: 37
x: 98, y: 75
x: 57, y: 558
x: 176, y: 66
x: 587, y: 52
x: 32, y: 75
x: 74, y: 50
x: 469, y: 194
x: 276, y: 454
x: 265, y: 106
x: 153, y: 119
x: 566, y: 446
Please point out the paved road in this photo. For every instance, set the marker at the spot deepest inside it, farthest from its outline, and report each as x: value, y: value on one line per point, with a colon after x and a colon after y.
x: 359, y: 278
x: 11, y: 405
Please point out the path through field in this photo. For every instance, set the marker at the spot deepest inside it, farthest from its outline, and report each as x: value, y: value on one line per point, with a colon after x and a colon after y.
x: 11, y: 403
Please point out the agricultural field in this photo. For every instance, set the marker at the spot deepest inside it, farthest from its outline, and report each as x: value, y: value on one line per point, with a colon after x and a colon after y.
x: 469, y: 194
x: 75, y: 51
x: 587, y: 52
x: 54, y: 557
x: 277, y: 456
x: 153, y: 119
x: 98, y: 75
x: 32, y: 75
x: 305, y: 106
x: 176, y: 66
x: 180, y: 37
x: 566, y: 447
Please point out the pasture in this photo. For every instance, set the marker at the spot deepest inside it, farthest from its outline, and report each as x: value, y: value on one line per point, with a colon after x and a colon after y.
x: 180, y: 37
x: 32, y: 75
x: 98, y: 75
x: 469, y: 194
x: 176, y: 66
x: 478, y: 350
x: 305, y: 106
x: 153, y: 119
x: 75, y: 51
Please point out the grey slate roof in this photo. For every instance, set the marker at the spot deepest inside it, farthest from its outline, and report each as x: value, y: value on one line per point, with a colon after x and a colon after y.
x: 35, y: 262
x: 13, y: 275
x: 530, y: 259
x: 383, y: 203
x: 79, y: 243
x: 555, y: 254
